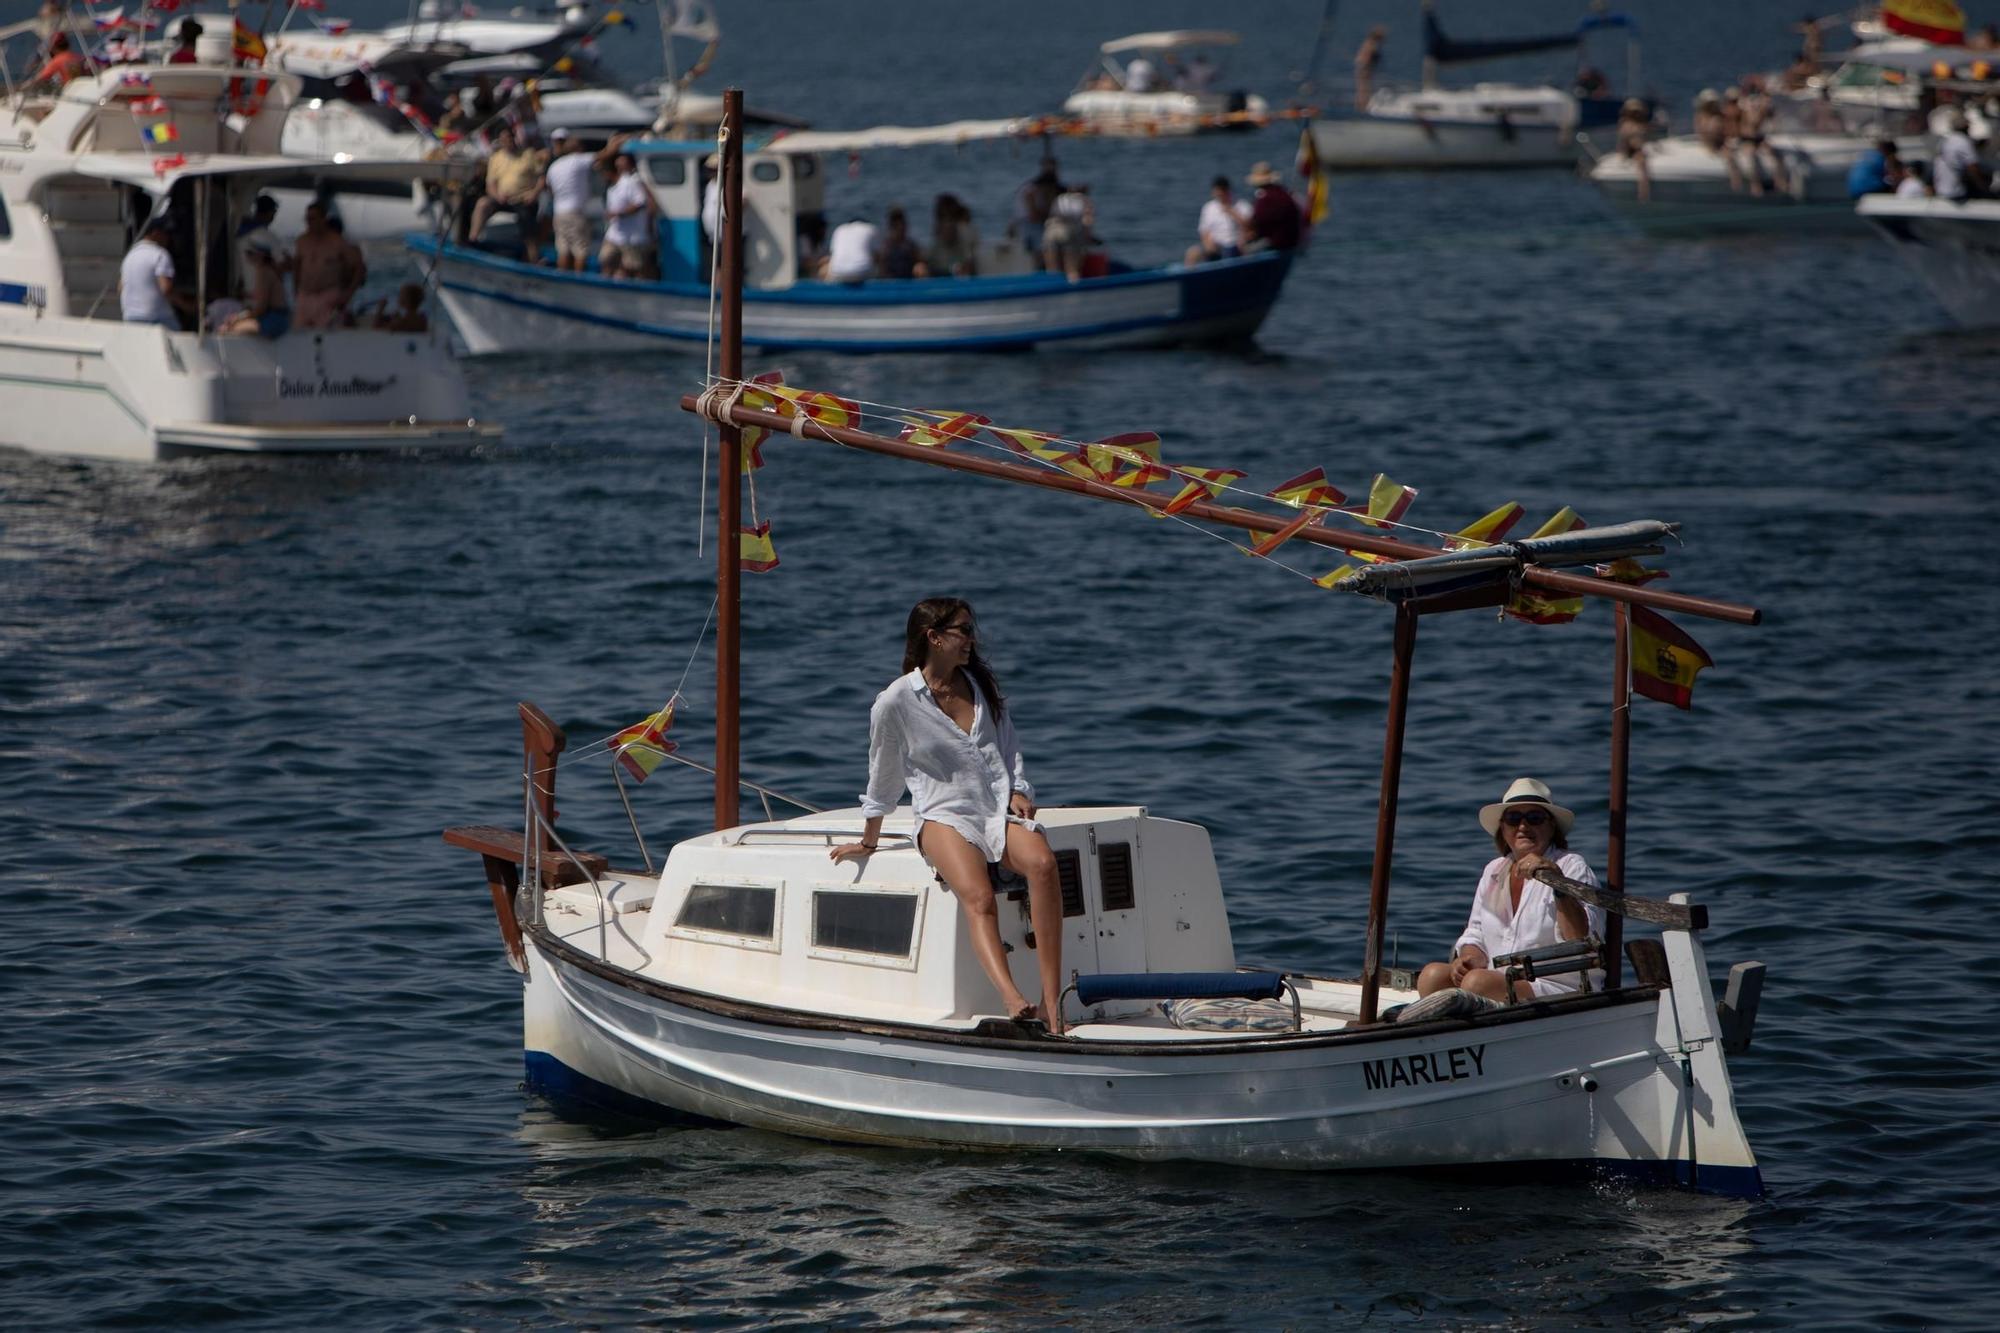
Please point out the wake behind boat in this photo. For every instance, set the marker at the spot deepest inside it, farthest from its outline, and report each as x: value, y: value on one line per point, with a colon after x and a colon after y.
x: 501, y: 304
x: 751, y: 980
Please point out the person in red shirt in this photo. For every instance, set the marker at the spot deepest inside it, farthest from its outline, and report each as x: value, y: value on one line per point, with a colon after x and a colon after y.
x: 184, y: 52
x: 63, y: 65
x: 1274, y: 215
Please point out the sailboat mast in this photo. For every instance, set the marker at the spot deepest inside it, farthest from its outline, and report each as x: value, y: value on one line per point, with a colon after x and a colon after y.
x: 729, y: 481
x: 1385, y: 811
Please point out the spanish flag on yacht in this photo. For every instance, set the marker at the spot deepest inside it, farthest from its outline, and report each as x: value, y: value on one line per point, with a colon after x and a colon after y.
x: 757, y: 554
x: 1665, y: 660
x: 1939, y: 21
x: 243, y: 43
x: 641, y: 747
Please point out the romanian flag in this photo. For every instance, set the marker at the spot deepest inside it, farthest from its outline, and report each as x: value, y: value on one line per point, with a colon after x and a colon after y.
x: 1209, y: 481
x: 1486, y: 531
x: 641, y: 747
x: 1939, y: 21
x: 1316, y: 184
x: 243, y: 43
x: 1307, y: 489
x: 1665, y: 660
x: 757, y: 554
x: 160, y: 132
x: 1387, y: 502
x: 1535, y: 608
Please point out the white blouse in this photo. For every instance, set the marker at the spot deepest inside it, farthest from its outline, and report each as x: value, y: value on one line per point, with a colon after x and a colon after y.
x: 959, y: 779
x: 1497, y: 927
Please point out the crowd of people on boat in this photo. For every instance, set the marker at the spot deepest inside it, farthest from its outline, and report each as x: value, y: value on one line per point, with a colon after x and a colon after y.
x: 551, y: 194
x: 325, y: 271
x: 1228, y: 227
x: 1170, y: 74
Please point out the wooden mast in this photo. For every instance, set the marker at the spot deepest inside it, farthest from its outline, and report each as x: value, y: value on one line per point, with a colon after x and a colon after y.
x: 1621, y: 751
x: 729, y: 474
x: 1385, y: 813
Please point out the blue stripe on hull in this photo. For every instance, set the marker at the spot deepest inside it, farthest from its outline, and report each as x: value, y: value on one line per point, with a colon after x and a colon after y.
x: 551, y: 1078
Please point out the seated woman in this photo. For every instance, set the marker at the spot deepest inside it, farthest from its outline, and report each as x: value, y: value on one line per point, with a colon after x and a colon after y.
x: 268, y: 314
x: 1512, y: 911
x: 941, y: 729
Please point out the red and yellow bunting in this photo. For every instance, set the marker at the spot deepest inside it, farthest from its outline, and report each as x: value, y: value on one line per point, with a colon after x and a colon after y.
x: 1272, y: 541
x: 1306, y: 490
x: 640, y: 747
x: 757, y: 554
x: 825, y: 408
x: 1045, y: 448
x: 1535, y: 607
x: 1209, y: 481
x: 1387, y: 502
x: 1486, y: 531
x: 940, y: 428
x: 1114, y: 456
x: 1665, y: 660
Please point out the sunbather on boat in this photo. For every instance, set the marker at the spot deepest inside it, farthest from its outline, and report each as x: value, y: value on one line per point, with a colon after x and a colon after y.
x: 941, y: 729
x: 1512, y: 912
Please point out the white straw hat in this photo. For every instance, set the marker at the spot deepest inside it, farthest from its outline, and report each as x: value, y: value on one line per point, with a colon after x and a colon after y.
x: 1525, y: 791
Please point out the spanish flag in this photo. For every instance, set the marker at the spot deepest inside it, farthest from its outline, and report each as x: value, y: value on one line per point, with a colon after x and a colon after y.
x: 1387, y: 502
x: 757, y: 554
x: 641, y: 747
x: 1665, y: 660
x: 1308, y: 488
x: 1939, y: 21
x: 938, y: 428
x: 1209, y: 481
x: 1535, y: 608
x: 1486, y: 531
x: 1316, y: 185
x: 243, y: 43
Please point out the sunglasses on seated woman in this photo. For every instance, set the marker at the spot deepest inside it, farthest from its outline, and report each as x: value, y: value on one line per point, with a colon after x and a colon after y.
x: 1532, y: 818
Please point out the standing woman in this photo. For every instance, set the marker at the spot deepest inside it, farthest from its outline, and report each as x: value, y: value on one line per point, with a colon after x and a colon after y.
x: 941, y: 729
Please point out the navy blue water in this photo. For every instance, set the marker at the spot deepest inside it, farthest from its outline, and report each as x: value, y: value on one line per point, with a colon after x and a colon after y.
x: 262, y: 1054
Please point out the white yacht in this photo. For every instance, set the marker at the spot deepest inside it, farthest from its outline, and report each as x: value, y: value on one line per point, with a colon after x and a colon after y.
x: 1483, y: 125
x: 1954, y: 246
x: 1160, y: 83
x: 81, y: 171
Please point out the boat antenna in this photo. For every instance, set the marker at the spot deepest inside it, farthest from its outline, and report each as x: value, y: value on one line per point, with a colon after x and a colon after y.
x: 729, y: 470
x: 1309, y: 80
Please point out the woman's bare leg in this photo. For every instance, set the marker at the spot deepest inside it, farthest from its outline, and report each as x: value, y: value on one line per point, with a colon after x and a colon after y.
x: 964, y: 869
x: 1028, y: 856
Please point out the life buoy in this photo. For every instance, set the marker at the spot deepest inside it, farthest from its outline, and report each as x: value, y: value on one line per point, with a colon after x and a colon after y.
x: 247, y: 104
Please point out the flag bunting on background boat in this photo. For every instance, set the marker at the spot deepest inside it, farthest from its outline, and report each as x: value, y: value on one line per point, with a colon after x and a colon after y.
x: 1535, y: 607
x: 1315, y: 175
x: 757, y: 554
x: 135, y: 79
x: 243, y: 43
x: 1665, y: 660
x: 1939, y: 21
x: 643, y: 745
x: 162, y: 165
x: 310, y: 6
x: 160, y: 132
x: 149, y: 106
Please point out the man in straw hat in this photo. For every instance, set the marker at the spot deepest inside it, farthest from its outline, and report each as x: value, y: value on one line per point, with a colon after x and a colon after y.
x: 1512, y: 910
x: 1274, y: 222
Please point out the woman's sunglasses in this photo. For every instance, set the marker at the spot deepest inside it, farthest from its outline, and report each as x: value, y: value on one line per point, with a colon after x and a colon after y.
x: 1532, y: 818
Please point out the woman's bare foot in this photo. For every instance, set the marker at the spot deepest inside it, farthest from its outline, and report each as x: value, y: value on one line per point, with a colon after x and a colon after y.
x: 1051, y: 1009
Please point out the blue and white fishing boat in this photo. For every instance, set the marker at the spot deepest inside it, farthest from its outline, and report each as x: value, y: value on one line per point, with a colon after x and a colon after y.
x: 501, y: 304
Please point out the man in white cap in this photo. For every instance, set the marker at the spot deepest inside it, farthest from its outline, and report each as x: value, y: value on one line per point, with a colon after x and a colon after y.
x: 1955, y: 170
x: 1512, y: 910
x: 571, y: 183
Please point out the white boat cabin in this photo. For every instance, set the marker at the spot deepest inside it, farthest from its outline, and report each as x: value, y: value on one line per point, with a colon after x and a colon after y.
x: 759, y: 914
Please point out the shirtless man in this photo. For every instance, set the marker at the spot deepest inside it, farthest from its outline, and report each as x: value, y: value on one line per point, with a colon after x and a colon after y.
x: 1366, y: 61
x: 321, y: 270
x: 1755, y: 107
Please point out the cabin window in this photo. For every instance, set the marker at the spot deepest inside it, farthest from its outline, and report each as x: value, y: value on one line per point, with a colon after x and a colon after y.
x: 881, y: 924
x: 667, y: 170
x: 1114, y: 876
x: 765, y: 171
x: 1069, y: 874
x: 749, y: 910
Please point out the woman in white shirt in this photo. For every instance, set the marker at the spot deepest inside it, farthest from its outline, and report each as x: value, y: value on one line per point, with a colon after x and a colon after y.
x: 1512, y: 911
x: 941, y: 729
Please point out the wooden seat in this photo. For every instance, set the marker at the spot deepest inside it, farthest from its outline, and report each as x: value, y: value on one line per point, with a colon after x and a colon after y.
x: 504, y: 844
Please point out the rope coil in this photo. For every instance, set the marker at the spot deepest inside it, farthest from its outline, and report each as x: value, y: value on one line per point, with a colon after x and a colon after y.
x: 718, y: 399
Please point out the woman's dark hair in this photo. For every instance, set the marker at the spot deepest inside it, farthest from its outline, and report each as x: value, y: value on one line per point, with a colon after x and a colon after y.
x: 933, y: 613
x: 1557, y: 839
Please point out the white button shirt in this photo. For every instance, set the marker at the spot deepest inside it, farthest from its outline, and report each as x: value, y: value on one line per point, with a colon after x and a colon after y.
x: 1498, y: 928
x: 956, y: 778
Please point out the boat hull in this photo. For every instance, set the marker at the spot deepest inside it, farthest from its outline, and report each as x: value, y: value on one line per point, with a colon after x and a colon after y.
x: 1691, y: 192
x: 503, y: 306
x: 1592, y: 1085
x: 1371, y: 143
x: 99, y: 388
x: 1953, y: 247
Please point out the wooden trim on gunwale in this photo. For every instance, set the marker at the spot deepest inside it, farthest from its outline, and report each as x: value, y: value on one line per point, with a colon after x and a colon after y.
x: 777, y: 1016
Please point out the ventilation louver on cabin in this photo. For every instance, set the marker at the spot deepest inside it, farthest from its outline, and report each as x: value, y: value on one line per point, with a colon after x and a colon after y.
x: 1114, y: 876
x: 1069, y: 873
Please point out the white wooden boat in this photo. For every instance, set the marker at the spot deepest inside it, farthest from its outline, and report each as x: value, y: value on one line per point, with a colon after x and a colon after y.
x: 1484, y: 125
x: 1159, y: 83
x: 749, y: 980
x: 502, y: 305
x: 1954, y: 246
x: 77, y: 181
